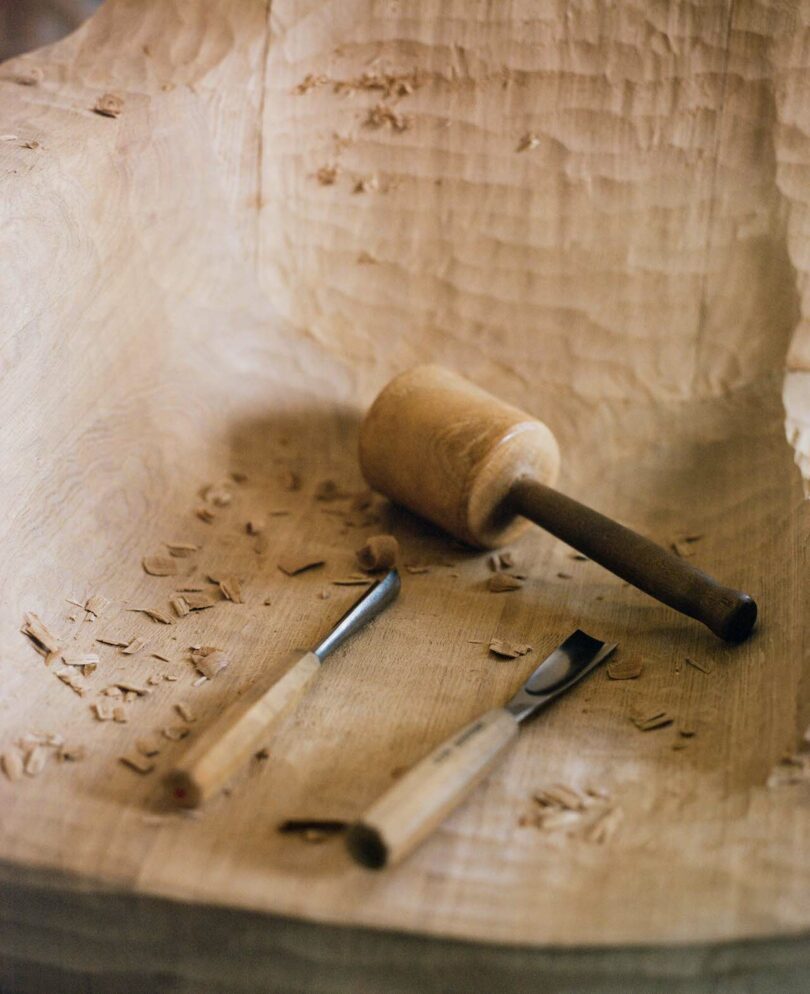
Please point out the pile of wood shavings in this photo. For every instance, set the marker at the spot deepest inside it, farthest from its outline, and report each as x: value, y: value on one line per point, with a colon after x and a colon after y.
x: 587, y: 814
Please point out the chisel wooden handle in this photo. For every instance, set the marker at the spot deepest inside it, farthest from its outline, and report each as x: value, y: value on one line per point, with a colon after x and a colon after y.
x: 483, y: 469
x: 407, y: 813
x: 239, y: 732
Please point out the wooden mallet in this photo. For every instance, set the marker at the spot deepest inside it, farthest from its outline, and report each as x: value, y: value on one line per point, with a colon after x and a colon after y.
x: 482, y: 470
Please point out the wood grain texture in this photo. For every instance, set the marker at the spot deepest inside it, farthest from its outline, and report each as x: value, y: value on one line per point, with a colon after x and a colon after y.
x: 183, y: 297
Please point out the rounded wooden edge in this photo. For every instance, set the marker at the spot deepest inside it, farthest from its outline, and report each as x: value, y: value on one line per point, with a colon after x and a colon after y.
x: 366, y: 846
x: 741, y: 621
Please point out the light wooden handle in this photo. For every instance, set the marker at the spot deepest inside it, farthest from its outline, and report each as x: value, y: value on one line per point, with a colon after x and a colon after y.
x: 405, y: 815
x: 236, y: 735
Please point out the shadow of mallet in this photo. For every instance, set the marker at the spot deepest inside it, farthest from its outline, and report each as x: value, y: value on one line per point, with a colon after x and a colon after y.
x: 479, y: 468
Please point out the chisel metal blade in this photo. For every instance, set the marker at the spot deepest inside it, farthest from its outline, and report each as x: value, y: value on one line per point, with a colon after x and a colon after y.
x: 569, y: 662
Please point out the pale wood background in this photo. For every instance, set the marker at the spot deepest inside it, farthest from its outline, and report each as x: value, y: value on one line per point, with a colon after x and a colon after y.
x: 181, y: 297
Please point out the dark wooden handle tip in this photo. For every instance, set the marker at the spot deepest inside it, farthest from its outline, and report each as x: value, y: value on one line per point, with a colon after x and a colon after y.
x: 730, y: 614
x: 366, y: 846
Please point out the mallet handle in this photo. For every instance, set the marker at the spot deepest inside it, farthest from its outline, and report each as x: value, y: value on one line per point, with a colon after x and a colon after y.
x: 730, y: 614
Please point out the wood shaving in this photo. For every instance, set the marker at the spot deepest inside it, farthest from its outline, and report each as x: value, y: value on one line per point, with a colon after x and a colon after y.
x: 43, y: 641
x: 528, y: 142
x: 96, y: 604
x: 682, y: 549
x: 147, y: 746
x: 231, y: 589
x: 366, y: 184
x: 205, y: 514
x: 13, y: 765
x: 648, y: 721
x: 293, y: 563
x: 175, y: 732
x: 390, y: 84
x: 35, y: 761
x: 218, y: 494
x: 73, y: 680
x: 209, y: 660
x: 352, y: 581
x: 267, y: 601
x: 109, y: 105
x: 54, y: 740
x: 179, y: 605
x: 153, y: 613
x: 503, y: 582
x: 112, y: 692
x: 181, y: 550
x: 159, y: 565
x: 134, y: 646
x: 87, y: 662
x: 418, y: 569
x: 625, y: 668
x: 579, y: 556
x: 379, y: 553
x: 327, y: 175
x: 558, y: 795
x: 102, y: 710
x: 119, y: 643
x: 154, y: 680
x: 138, y: 763
x: 119, y: 714
x: 185, y: 712
x: 382, y: 115
x: 564, y: 576
x: 605, y: 826
x: 170, y: 677
x: 500, y: 647
x: 506, y: 560
x: 132, y: 688
x: 256, y: 525
x: 702, y: 665
x: 31, y: 76
x: 199, y: 681
x: 199, y: 601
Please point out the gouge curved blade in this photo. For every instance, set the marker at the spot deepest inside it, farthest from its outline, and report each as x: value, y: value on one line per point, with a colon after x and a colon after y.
x: 410, y: 810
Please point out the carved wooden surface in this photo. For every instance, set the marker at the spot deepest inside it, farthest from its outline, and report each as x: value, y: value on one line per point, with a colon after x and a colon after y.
x: 597, y: 212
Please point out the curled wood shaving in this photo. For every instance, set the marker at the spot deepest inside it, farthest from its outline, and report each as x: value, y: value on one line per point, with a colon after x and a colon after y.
x: 605, y: 826
x: 380, y: 552
x: 181, y: 550
x: 231, y: 589
x: 293, y: 563
x: 682, y: 549
x: 648, y: 721
x: 500, y: 647
x: 702, y: 665
x: 96, y: 604
x: 205, y: 514
x: 13, y: 765
x: 390, y: 84
x: 43, y: 641
x: 560, y: 796
x: 132, y: 688
x: 119, y: 714
x: 134, y: 646
x: 73, y: 680
x: 310, y: 82
x: 218, y: 494
x: 109, y: 105
x: 185, y: 712
x: 35, y: 761
x: 119, y: 643
x: 112, y: 692
x: 102, y: 710
x: 625, y: 668
x: 175, y: 732
x: 209, y: 660
x: 199, y: 600
x: 503, y: 582
x: 160, y: 565
x: 138, y: 763
x: 147, y: 746
x: 179, y: 605
x: 256, y: 525
x: 381, y: 115
x: 528, y: 142
x: 153, y: 613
